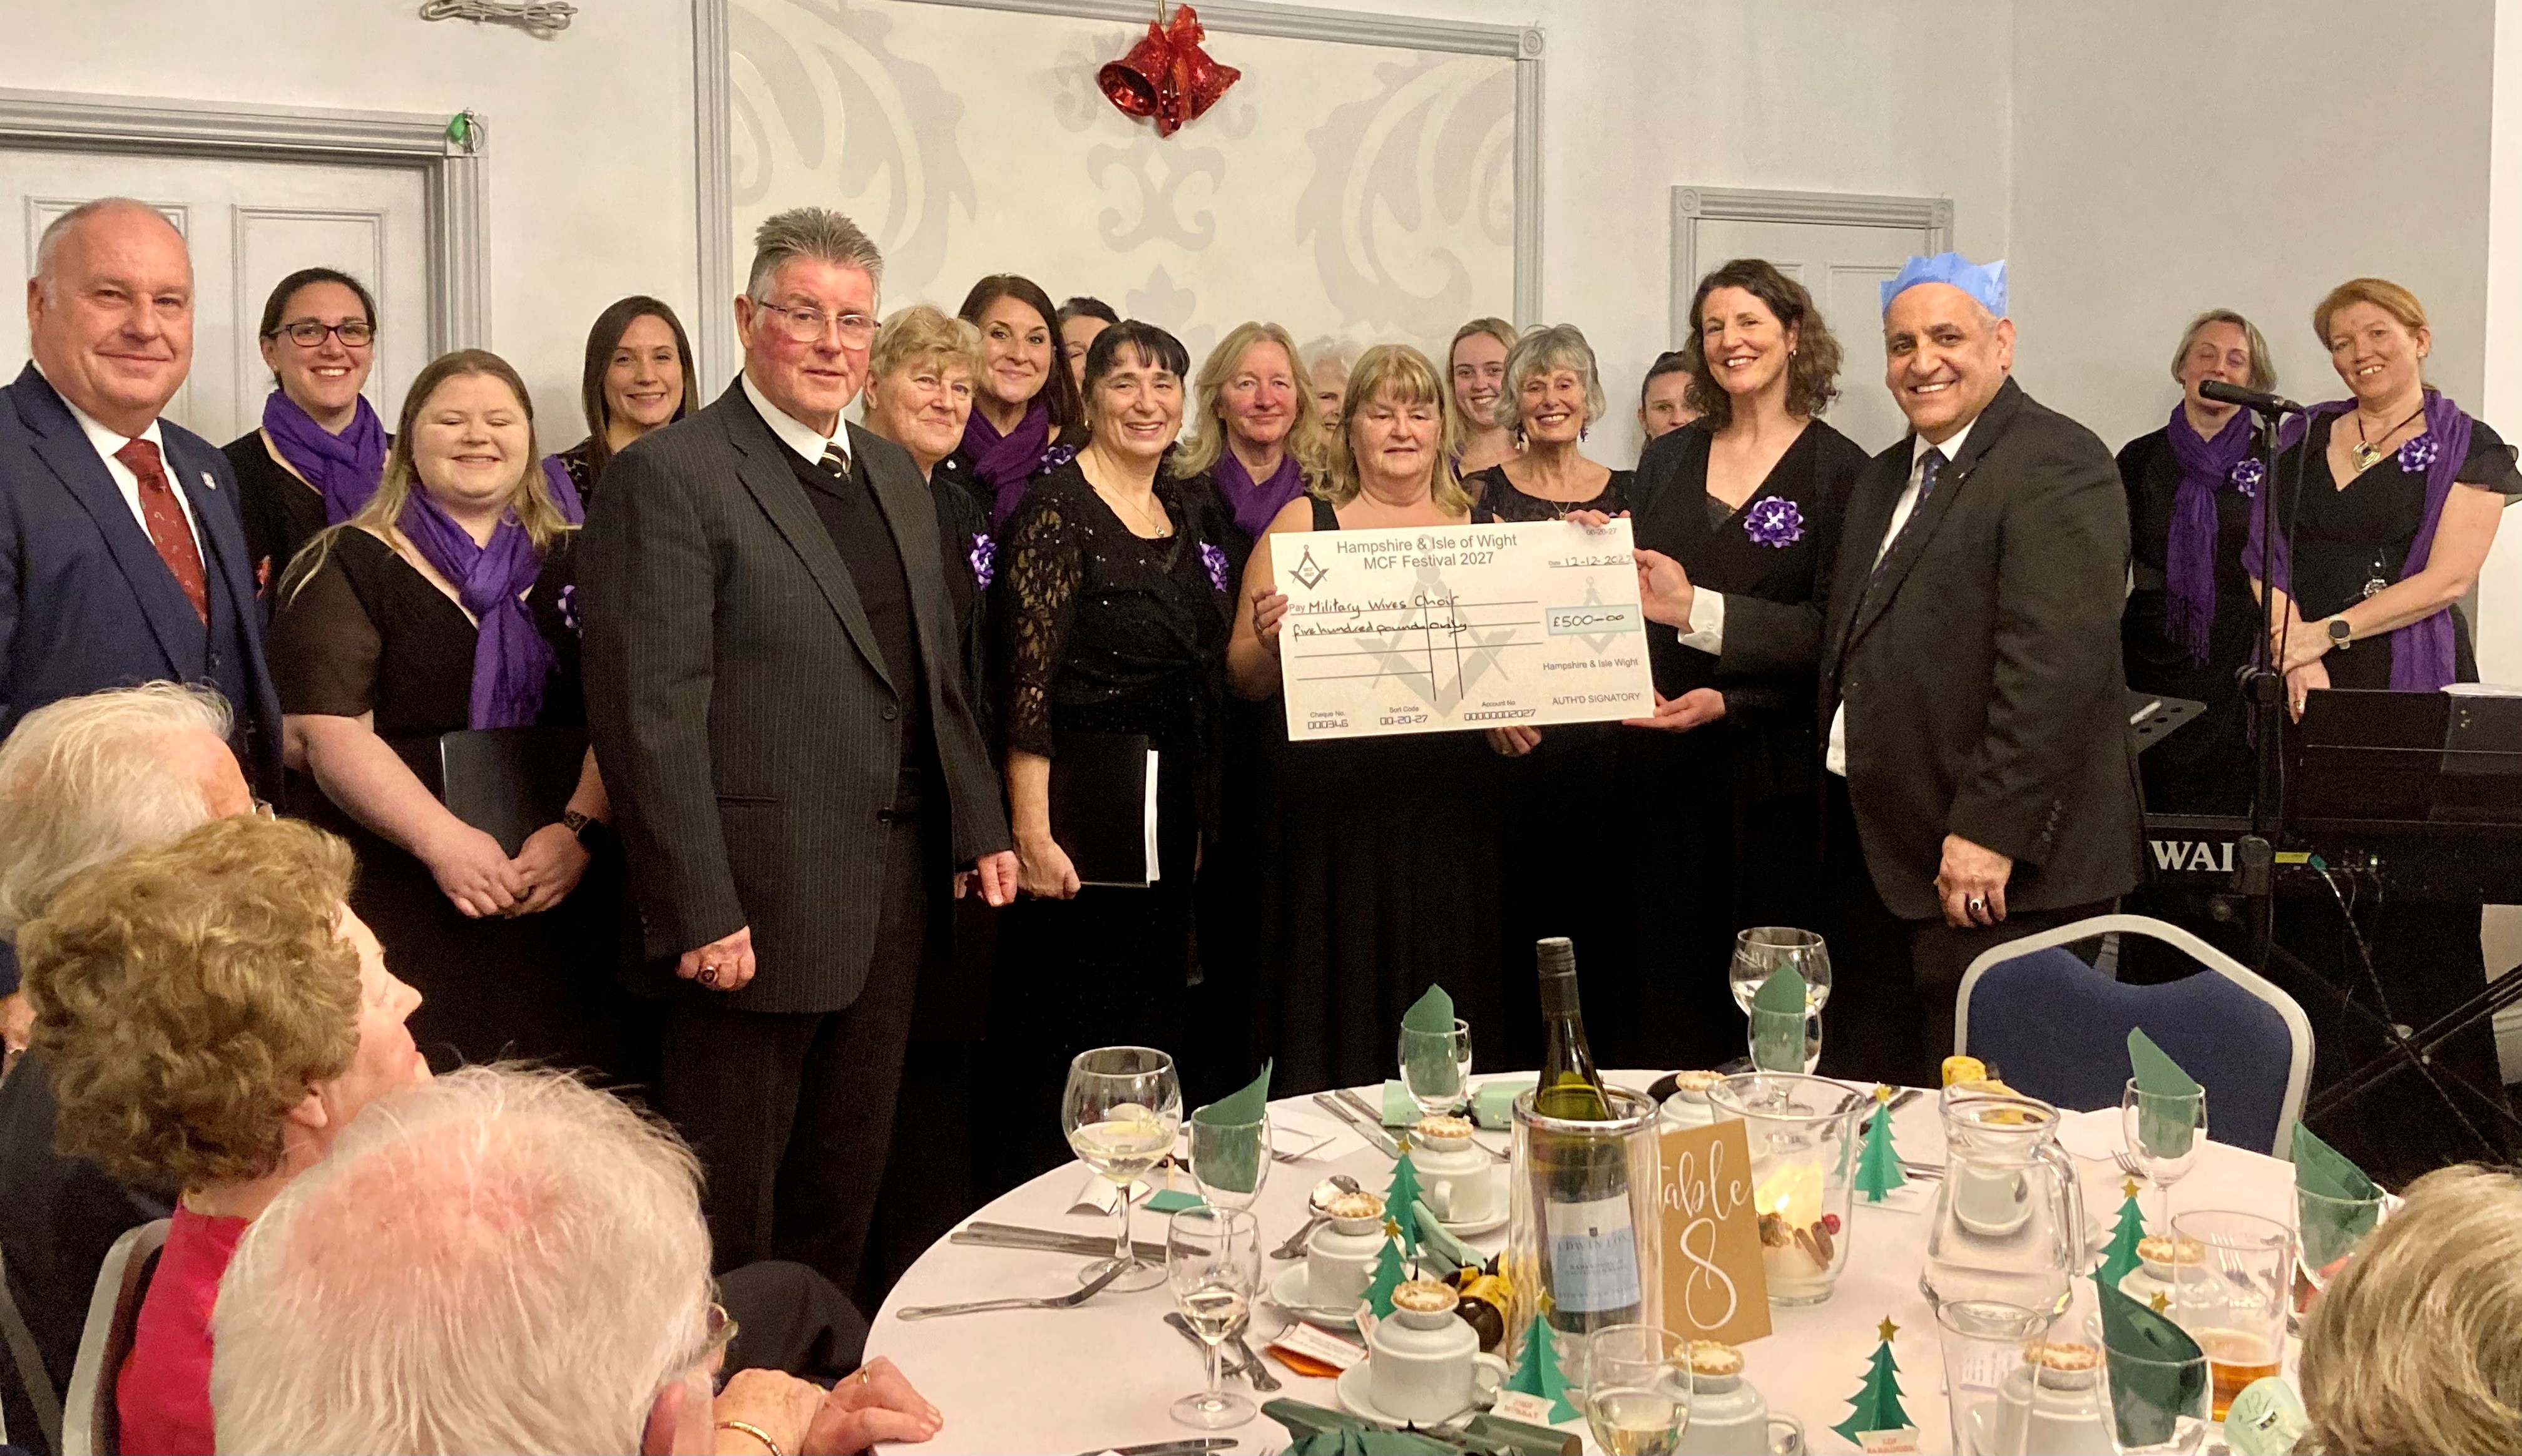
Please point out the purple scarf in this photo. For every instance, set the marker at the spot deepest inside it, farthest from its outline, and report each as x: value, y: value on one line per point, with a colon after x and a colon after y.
x: 2421, y: 652
x: 564, y: 491
x: 1005, y: 462
x: 510, y: 658
x: 1257, y: 503
x: 344, y: 468
x: 2190, y: 557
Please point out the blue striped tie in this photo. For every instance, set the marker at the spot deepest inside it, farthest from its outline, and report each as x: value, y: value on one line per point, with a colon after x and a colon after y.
x: 1930, y: 469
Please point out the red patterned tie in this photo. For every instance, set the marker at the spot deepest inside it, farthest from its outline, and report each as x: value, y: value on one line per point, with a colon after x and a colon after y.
x: 168, y: 529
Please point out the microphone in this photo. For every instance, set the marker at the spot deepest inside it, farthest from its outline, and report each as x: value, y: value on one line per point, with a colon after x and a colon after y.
x: 2255, y: 399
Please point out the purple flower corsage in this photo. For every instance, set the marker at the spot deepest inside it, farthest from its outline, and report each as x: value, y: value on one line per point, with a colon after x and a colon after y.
x: 1215, y: 560
x: 2245, y: 476
x: 984, y: 557
x: 1055, y: 457
x: 1774, y: 521
x: 569, y: 609
x: 2417, y: 456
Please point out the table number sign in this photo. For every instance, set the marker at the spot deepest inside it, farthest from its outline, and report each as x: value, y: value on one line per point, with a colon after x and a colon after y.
x: 1715, y: 1286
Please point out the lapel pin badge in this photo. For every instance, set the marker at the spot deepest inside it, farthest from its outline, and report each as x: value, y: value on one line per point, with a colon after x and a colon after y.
x: 209, y: 484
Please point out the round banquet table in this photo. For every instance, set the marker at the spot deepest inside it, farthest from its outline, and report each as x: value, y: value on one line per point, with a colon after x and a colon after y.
x: 1101, y: 1375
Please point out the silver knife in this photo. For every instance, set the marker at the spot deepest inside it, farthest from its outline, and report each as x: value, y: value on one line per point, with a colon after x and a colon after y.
x: 1359, y: 1105
x: 1260, y: 1376
x: 1372, y: 1134
x: 1237, y: 1359
x: 1011, y: 1236
x: 1167, y: 1448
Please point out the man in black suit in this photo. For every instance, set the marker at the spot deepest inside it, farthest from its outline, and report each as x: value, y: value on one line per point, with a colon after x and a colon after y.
x: 775, y: 694
x: 1980, y: 779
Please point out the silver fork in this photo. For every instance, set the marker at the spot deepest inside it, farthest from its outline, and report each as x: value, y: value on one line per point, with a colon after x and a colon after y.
x: 1069, y: 1301
x: 2127, y: 1164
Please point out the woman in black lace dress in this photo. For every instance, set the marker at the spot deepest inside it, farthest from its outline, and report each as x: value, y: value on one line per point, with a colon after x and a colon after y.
x: 1748, y: 498
x: 1378, y: 857
x: 1114, y: 598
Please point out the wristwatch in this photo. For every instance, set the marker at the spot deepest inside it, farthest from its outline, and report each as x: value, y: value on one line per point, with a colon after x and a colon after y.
x: 578, y: 823
x: 2340, y: 632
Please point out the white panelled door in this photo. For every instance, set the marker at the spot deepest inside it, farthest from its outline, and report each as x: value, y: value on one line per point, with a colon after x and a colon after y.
x: 248, y: 225
x: 1842, y: 268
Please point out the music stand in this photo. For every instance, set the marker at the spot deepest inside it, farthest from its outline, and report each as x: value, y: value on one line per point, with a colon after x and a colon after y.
x: 2152, y: 716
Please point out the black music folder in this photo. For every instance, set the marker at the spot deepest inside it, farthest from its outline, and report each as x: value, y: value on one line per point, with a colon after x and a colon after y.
x: 509, y: 783
x: 1103, y: 807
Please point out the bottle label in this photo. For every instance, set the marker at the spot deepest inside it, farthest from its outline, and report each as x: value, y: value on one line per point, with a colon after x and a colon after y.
x: 1593, y: 1255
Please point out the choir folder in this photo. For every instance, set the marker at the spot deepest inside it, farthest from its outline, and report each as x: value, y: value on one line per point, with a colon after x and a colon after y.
x: 509, y: 783
x: 1103, y: 807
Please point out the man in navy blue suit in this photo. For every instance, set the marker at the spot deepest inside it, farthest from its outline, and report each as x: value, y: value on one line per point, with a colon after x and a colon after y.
x: 123, y: 559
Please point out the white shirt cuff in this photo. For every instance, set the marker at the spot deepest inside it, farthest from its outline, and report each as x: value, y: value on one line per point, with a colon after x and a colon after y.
x: 1706, y: 630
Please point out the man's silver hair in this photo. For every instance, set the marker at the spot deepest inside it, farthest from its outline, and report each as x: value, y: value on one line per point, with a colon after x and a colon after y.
x: 49, y: 243
x: 818, y: 233
x: 504, y: 1259
x: 88, y: 779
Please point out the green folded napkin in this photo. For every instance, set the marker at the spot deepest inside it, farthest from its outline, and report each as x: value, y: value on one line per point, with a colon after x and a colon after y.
x: 1778, y: 1022
x: 1493, y: 1105
x: 1237, y: 1109
x: 1433, y: 1014
x: 1432, y: 1235
x: 1175, y: 1201
x: 1229, y: 1137
x: 2335, y: 1204
x: 2168, y: 1099
x: 2157, y: 1374
x: 1398, y: 1109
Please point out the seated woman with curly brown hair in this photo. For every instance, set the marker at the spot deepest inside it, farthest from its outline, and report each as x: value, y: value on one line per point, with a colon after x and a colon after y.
x: 212, y: 1016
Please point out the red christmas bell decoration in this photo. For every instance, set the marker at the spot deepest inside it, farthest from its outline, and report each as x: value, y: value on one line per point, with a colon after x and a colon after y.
x: 1167, y: 75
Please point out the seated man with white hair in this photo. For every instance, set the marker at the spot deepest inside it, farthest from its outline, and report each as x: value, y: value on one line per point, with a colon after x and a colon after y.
x: 505, y: 1259
x: 83, y: 780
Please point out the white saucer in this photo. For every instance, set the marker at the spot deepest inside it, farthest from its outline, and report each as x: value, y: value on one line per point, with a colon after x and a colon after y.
x: 1500, y: 1200
x: 1288, y: 1292
x: 1354, y: 1383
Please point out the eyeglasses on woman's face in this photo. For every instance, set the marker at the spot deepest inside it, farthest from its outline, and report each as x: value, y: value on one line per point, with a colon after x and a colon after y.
x: 307, y: 332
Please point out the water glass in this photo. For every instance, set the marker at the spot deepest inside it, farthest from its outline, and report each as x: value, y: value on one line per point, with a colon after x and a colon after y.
x: 1986, y: 1348
x: 2327, y: 1230
x: 1637, y: 1388
x: 2234, y: 1300
x: 2164, y: 1134
x: 1213, y: 1265
x: 1122, y: 1111
x: 1230, y: 1161
x: 1802, y: 1132
x: 1437, y: 1069
x: 2155, y: 1407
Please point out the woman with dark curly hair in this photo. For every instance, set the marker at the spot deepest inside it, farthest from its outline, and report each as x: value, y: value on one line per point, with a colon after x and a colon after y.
x: 213, y: 1015
x: 1747, y: 497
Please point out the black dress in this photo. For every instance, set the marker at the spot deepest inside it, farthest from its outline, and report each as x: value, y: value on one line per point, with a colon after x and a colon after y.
x: 1103, y: 630
x: 2207, y: 766
x: 1555, y: 818
x: 280, y: 510
x: 1379, y: 873
x: 369, y: 634
x: 2427, y: 955
x: 1732, y: 838
x: 578, y: 461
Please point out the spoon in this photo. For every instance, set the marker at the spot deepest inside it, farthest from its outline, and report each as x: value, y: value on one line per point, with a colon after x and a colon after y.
x: 1337, y: 1183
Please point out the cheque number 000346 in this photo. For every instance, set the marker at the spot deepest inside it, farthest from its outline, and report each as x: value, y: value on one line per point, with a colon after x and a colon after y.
x: 1401, y: 720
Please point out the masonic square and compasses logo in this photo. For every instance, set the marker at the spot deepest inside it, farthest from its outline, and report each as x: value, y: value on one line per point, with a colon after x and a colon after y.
x: 1308, y: 571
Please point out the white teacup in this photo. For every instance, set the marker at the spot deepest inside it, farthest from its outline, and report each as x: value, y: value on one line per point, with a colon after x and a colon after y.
x: 1339, y: 1259
x: 2058, y: 1414
x: 1424, y: 1364
x: 1456, y: 1177
x: 1727, y: 1416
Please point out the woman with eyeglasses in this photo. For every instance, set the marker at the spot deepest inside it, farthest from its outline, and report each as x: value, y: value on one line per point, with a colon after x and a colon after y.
x: 321, y: 447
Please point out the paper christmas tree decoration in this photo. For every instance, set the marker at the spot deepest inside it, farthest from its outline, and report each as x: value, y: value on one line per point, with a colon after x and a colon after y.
x: 1403, y: 1195
x: 1388, y: 1273
x: 1878, y: 1164
x: 2121, y: 1259
x: 1877, y: 1405
x: 1537, y: 1372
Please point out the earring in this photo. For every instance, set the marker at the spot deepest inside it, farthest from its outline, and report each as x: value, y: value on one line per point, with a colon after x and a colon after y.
x: 1584, y: 430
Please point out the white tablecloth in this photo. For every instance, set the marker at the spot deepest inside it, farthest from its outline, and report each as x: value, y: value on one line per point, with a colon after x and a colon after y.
x: 1103, y: 1374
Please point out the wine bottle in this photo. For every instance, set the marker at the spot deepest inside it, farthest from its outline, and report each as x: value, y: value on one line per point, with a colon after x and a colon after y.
x: 1580, y: 1183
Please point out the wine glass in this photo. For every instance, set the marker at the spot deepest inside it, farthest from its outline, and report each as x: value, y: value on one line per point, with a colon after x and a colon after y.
x: 1761, y: 952
x: 1637, y: 1390
x: 1213, y: 1262
x: 1230, y: 1161
x: 1122, y: 1111
x: 2165, y: 1133
x: 1437, y: 1069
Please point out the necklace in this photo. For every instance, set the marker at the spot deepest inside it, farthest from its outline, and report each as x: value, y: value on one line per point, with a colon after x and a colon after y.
x: 2367, y: 455
x: 1158, y: 526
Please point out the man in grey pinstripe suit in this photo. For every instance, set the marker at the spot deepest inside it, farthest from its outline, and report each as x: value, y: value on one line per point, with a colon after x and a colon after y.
x: 776, y: 698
